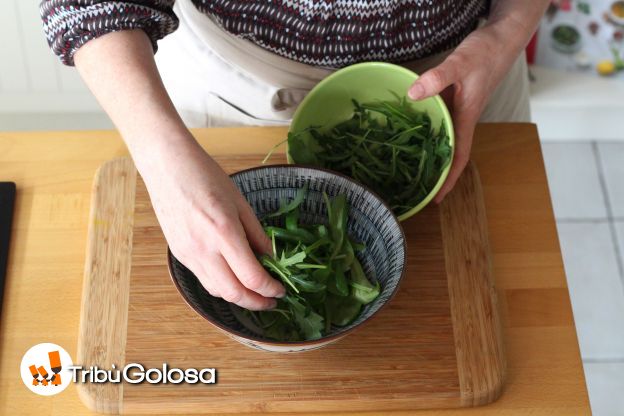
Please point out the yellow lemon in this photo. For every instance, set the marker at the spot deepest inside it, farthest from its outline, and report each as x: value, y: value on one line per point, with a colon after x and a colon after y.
x: 605, y: 67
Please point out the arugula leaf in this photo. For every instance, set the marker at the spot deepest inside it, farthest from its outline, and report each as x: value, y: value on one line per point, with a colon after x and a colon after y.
x: 295, y: 235
x: 292, y: 219
x: 277, y: 268
x: 286, y: 207
x: 386, y: 145
x: 362, y: 289
x: 343, y: 310
x: 310, y: 323
x: 292, y: 260
x: 337, y: 213
x: 300, y: 148
x: 337, y: 283
x: 324, y: 281
x: 307, y: 285
x: 349, y: 254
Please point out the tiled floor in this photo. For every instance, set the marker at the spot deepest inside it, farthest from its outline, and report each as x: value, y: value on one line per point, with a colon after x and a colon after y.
x: 587, y: 187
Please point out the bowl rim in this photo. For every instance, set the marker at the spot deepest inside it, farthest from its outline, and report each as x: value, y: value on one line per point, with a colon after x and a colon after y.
x: 446, y: 116
x: 326, y: 339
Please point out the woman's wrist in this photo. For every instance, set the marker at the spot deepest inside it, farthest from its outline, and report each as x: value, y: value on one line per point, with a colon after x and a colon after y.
x: 157, y: 149
x: 510, y: 33
x: 514, y: 23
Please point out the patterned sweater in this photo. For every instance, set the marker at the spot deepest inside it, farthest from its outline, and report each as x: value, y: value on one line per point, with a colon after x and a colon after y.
x: 328, y: 33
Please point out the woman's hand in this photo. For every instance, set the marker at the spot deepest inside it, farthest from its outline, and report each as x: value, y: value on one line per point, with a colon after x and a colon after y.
x: 465, y: 80
x: 207, y: 222
x: 470, y: 74
x: 209, y: 226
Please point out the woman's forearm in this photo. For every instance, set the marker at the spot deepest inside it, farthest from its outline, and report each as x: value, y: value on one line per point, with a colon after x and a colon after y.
x: 119, y: 69
x: 208, y: 224
x: 515, y: 21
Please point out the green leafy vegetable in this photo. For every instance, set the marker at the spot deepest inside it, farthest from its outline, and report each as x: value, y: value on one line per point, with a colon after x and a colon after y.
x: 386, y: 145
x: 325, y: 283
x: 310, y: 323
x: 286, y: 207
x: 343, y: 310
x: 363, y: 290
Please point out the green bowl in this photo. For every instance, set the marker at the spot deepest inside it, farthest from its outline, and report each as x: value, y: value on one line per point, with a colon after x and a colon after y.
x: 329, y: 103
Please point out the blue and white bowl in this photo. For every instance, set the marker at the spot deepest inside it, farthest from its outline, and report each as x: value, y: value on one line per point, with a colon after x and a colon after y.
x: 370, y: 221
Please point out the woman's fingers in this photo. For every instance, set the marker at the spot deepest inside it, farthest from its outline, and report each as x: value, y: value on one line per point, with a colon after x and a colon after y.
x: 465, y: 112
x: 258, y: 239
x: 204, y: 274
x: 434, y: 81
x: 464, y: 121
x: 207, y: 224
x: 217, y: 277
x: 237, y: 253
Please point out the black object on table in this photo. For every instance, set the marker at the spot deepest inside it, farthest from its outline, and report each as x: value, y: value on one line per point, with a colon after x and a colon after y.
x: 7, y: 202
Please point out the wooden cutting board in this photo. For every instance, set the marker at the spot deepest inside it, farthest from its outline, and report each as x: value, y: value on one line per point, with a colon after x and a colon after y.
x: 437, y: 345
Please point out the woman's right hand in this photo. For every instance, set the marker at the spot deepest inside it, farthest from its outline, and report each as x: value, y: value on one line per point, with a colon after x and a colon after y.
x: 209, y: 225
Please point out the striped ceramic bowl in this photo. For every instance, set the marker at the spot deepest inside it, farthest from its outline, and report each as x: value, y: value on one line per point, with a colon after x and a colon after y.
x: 370, y: 221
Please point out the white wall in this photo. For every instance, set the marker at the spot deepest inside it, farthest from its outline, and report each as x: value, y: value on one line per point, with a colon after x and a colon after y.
x: 575, y: 107
x: 33, y: 83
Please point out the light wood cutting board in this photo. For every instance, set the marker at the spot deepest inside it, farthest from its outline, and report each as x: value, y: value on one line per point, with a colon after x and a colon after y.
x: 437, y: 345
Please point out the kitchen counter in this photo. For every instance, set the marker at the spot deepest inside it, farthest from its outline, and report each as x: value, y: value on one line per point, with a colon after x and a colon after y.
x: 54, y: 173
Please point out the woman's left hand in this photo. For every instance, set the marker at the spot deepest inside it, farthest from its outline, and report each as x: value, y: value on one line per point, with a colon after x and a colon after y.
x: 466, y: 79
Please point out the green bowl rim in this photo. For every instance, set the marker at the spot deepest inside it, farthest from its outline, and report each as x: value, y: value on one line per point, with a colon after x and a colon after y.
x: 446, y: 116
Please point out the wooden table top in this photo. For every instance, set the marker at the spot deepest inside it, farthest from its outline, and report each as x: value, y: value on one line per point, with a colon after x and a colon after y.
x: 54, y: 173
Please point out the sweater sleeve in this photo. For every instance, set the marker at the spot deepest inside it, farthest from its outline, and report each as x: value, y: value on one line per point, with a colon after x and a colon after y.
x: 69, y: 24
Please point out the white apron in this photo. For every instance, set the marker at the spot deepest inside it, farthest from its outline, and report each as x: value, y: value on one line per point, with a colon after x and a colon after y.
x: 216, y: 79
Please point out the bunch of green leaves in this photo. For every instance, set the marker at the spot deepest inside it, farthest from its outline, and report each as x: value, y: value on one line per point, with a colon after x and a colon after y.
x: 325, y: 283
x: 386, y: 145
